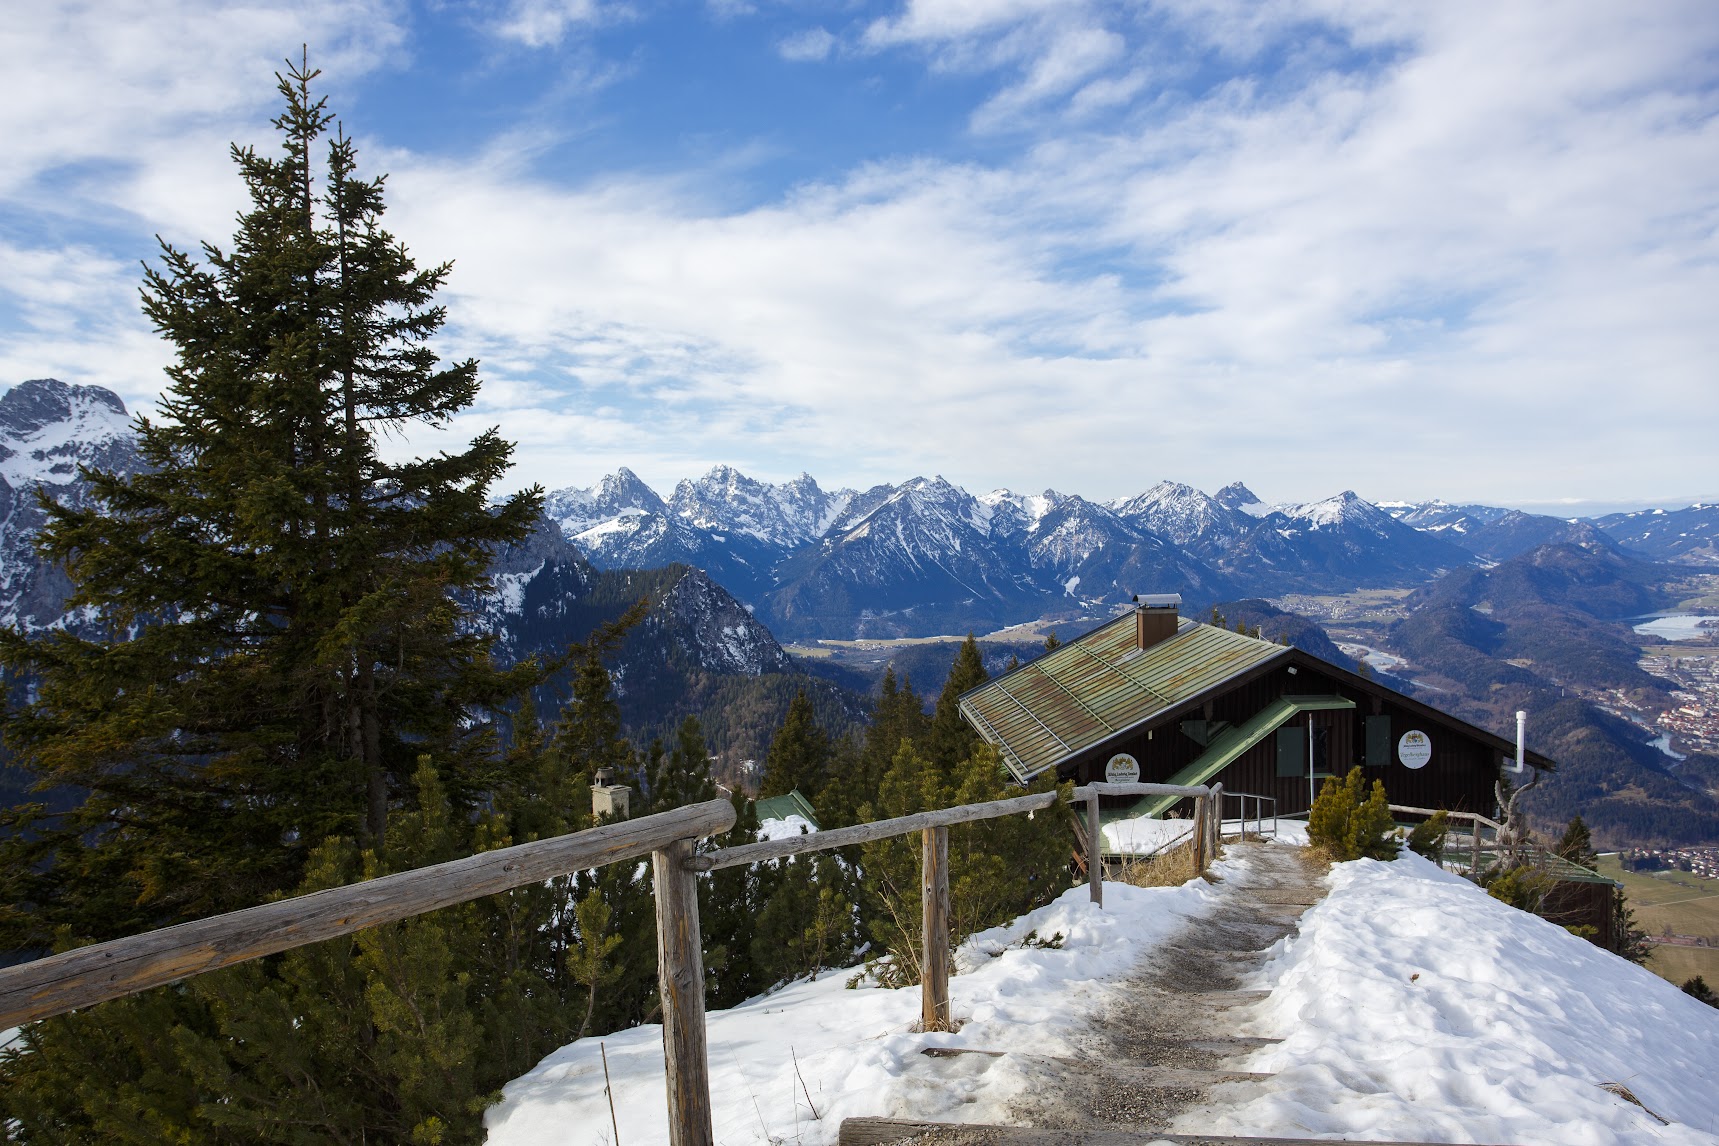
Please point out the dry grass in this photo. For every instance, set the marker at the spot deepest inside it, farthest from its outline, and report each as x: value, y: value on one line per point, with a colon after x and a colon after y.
x: 1170, y: 868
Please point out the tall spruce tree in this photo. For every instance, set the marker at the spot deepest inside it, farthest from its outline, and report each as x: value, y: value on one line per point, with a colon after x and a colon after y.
x: 282, y: 628
x: 282, y: 652
x: 951, y: 740
x: 799, y: 756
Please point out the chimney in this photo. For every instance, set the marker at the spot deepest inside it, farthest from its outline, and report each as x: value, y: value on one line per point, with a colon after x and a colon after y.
x: 1155, y: 617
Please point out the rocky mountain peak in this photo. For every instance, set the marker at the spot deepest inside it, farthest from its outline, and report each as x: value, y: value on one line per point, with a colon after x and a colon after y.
x: 728, y: 501
x: 47, y: 428
x: 1241, y: 499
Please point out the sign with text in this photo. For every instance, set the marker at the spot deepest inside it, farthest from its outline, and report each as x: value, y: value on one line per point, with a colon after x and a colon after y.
x: 1122, y: 769
x: 1414, y: 749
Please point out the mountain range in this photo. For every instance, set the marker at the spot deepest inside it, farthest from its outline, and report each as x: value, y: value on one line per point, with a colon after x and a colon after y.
x: 1508, y: 608
x: 927, y: 557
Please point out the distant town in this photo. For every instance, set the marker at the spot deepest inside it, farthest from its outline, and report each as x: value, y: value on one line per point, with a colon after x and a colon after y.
x: 1694, y: 724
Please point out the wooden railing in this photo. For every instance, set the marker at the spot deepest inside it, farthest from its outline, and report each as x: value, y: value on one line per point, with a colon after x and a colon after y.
x: 95, y: 974
x: 1475, y: 819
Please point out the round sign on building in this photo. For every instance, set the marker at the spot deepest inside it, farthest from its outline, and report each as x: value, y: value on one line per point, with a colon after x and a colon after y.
x: 1122, y: 769
x: 1414, y: 749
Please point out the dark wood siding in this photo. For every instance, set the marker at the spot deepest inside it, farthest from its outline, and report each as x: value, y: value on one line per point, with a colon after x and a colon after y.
x: 1459, y: 777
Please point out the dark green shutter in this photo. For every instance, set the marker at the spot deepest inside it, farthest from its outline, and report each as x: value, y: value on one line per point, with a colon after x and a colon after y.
x: 1378, y: 741
x: 1292, y: 751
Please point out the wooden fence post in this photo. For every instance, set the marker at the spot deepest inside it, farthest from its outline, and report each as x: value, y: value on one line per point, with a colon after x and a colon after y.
x: 934, y: 932
x: 1094, y: 853
x: 1199, y: 835
x: 680, y: 970
x: 1217, y: 820
x: 1474, y: 867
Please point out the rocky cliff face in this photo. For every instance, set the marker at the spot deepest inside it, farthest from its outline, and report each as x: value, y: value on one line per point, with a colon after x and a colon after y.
x: 47, y: 430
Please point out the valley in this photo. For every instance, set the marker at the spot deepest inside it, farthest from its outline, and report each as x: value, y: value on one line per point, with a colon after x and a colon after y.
x: 761, y: 590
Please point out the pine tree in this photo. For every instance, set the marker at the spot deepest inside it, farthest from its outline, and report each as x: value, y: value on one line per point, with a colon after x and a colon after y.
x: 283, y: 652
x: 1349, y: 826
x: 280, y: 601
x: 951, y: 739
x: 799, y: 756
x: 1577, y: 844
x: 681, y: 775
x: 1052, y: 642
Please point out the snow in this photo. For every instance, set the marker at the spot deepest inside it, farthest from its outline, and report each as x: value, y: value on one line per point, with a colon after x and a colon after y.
x: 1375, y: 658
x: 1069, y: 586
x: 50, y: 453
x: 791, y: 825
x: 1141, y: 836
x: 853, y: 1051
x: 1415, y: 1007
x: 1412, y: 1007
x: 1680, y: 627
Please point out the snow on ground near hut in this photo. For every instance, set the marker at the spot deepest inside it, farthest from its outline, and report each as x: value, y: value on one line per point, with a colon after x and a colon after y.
x: 1414, y: 1006
x: 1141, y: 836
x: 790, y: 825
x: 854, y: 1050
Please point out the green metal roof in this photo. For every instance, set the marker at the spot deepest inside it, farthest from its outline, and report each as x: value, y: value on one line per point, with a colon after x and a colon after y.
x: 1227, y: 746
x: 1100, y: 684
x: 785, y: 805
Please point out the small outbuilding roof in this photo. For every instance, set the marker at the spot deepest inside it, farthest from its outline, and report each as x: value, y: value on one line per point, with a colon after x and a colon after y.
x: 1101, y: 684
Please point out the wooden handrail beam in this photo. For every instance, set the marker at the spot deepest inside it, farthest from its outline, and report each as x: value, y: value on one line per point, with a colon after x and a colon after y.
x: 865, y: 833
x: 119, y: 967
x: 1138, y: 789
x: 1474, y: 816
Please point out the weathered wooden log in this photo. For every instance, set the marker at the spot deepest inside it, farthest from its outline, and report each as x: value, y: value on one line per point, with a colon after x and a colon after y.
x: 119, y: 967
x: 680, y: 977
x: 865, y: 833
x: 883, y: 1131
x: 1138, y: 789
x: 1201, y: 806
x: 1094, y: 857
x: 934, y: 930
x: 1217, y: 822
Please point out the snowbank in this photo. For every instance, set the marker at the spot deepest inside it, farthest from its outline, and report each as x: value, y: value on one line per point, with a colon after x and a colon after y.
x: 791, y: 825
x: 1416, y: 1007
x: 854, y: 1049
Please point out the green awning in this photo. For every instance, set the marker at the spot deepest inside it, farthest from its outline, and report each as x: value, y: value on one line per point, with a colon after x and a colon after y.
x: 785, y: 805
x: 1227, y: 746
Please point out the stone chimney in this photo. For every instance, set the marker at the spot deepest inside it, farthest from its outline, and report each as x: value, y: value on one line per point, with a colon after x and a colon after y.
x: 1155, y: 617
x: 609, y: 798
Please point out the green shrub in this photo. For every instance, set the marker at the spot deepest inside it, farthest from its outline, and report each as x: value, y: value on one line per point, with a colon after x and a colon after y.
x: 1350, y: 827
x: 1428, y: 838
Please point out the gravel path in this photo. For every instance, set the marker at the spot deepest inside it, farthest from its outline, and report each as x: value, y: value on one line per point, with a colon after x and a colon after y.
x: 1179, y: 1011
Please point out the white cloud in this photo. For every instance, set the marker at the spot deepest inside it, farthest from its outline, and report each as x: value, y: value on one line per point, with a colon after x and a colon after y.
x: 545, y: 23
x: 808, y: 46
x: 1477, y: 263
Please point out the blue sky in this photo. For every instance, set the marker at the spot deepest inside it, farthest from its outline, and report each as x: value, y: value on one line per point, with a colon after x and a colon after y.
x: 1447, y: 249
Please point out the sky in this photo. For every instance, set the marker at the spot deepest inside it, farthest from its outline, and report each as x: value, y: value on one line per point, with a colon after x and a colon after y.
x: 1451, y: 249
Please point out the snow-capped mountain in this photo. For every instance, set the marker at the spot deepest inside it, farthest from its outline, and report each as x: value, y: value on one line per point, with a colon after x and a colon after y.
x: 47, y: 430
x: 1440, y: 516
x: 620, y: 494
x: 1241, y: 499
x: 727, y: 501
x: 1493, y: 532
x: 1688, y: 536
x: 1336, y: 544
x: 1198, y: 522
x: 920, y: 555
x: 544, y: 595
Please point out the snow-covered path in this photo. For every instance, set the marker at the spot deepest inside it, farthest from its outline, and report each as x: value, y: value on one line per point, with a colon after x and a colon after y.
x: 1406, y: 1006
x: 789, y: 1066
x: 1414, y: 1007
